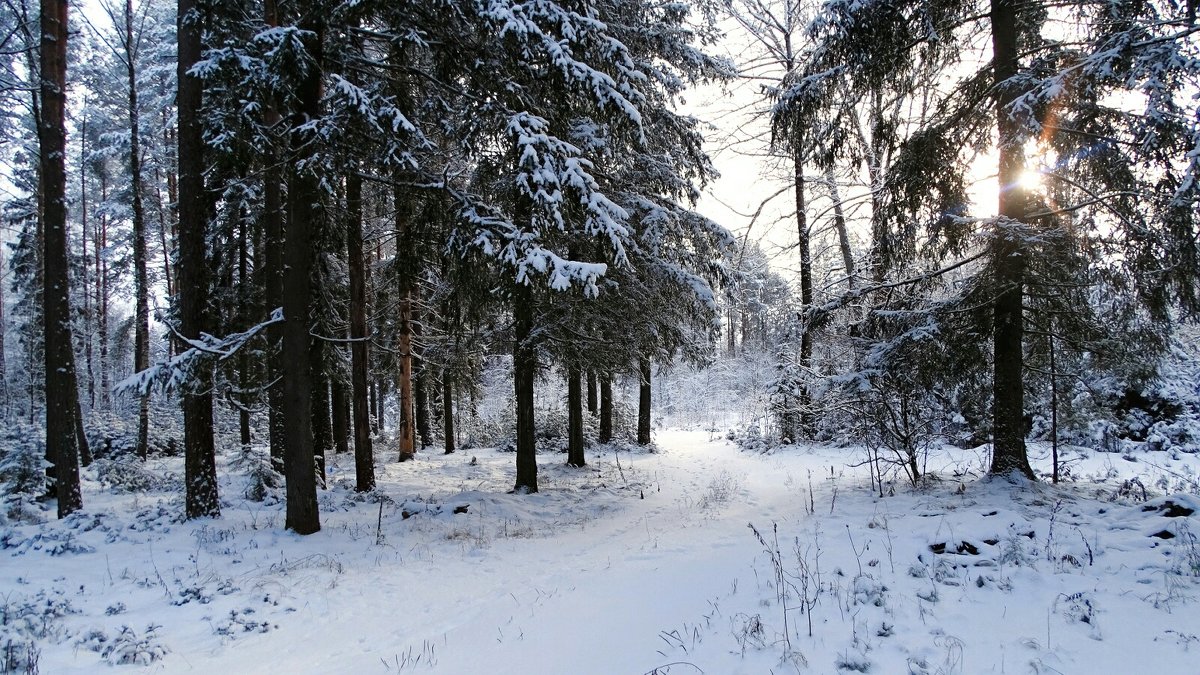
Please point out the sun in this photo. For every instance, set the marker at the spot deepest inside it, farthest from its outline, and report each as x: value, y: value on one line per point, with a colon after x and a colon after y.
x: 1031, y: 180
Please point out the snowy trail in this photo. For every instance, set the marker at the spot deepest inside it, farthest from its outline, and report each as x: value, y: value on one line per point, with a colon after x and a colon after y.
x: 590, y: 598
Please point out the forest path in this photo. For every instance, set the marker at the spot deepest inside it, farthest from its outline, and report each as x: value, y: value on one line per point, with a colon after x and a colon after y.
x: 620, y: 589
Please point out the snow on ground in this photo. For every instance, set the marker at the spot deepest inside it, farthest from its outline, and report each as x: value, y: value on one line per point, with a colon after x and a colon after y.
x: 646, y: 566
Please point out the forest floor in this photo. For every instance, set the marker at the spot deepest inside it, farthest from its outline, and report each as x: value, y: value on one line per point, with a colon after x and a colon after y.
x: 639, y: 563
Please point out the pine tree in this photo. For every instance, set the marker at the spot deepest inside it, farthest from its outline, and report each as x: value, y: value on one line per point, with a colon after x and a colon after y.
x: 62, y: 396
x: 200, y: 472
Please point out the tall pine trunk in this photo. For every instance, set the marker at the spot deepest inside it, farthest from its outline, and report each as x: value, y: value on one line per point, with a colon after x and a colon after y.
x: 448, y: 411
x: 839, y: 224
x: 102, y: 299
x: 246, y: 314
x: 364, y: 459
x: 322, y: 424
x: 200, y: 468
x: 339, y: 401
x: 406, y: 429
x: 643, y: 431
x: 62, y: 397
x: 806, y: 290
x: 5, y: 403
x: 524, y: 373
x: 606, y: 408
x: 592, y: 402
x: 1008, y: 257
x: 575, y: 456
x: 420, y: 378
x: 272, y: 222
x: 141, y: 330
x: 88, y: 310
x: 303, y: 208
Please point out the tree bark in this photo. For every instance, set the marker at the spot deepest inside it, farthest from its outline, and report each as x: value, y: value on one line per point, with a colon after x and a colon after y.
x: 364, y: 459
x: 448, y: 411
x: 200, y: 468
x: 321, y: 409
x: 575, y: 456
x: 406, y: 431
x: 806, y: 290
x: 272, y: 222
x: 643, y: 433
x: 62, y: 444
x: 88, y: 311
x: 420, y: 378
x: 839, y: 224
x: 421, y: 401
x: 4, y: 399
x: 340, y: 402
x: 1008, y: 257
x: 524, y: 372
x: 303, y: 208
x: 606, y: 408
x: 246, y: 310
x: 102, y: 300
x: 592, y: 401
x: 1053, y: 406
x: 141, y: 340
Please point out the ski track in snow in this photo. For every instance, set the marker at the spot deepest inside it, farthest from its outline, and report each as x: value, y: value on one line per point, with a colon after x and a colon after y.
x: 626, y: 570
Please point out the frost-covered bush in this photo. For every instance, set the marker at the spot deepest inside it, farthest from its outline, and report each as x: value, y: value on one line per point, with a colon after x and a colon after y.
x: 130, y: 474
x: 111, y: 435
x: 22, y: 473
x: 127, y: 647
x: 262, y: 481
x: 26, y: 621
x: 750, y: 439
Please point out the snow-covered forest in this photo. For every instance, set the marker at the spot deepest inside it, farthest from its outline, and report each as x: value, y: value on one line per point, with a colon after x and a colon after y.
x: 468, y: 336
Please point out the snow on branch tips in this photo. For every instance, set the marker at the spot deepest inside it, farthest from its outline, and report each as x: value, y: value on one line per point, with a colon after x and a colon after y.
x: 176, y: 372
x: 548, y: 166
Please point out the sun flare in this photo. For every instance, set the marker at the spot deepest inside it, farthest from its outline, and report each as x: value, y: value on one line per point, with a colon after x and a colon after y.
x: 1031, y: 181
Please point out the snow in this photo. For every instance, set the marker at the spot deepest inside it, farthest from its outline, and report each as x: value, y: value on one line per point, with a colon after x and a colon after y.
x: 640, y: 561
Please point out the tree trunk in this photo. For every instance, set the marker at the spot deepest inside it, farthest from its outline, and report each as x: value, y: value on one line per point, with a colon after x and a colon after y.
x: 102, y: 300
x: 731, y: 329
x: 1008, y: 257
x: 340, y: 402
x: 85, y: 453
x: 592, y: 402
x: 272, y: 223
x: 303, y: 208
x: 421, y: 402
x: 881, y: 243
x: 606, y: 408
x: 839, y: 224
x: 406, y: 431
x: 1053, y: 406
x: 88, y: 311
x: 200, y: 468
x: 5, y: 403
x: 364, y: 459
x: 448, y: 411
x: 420, y: 393
x: 62, y: 443
x: 806, y: 291
x: 524, y: 372
x: 643, y: 432
x: 376, y: 406
x: 246, y: 310
x: 321, y: 408
x: 575, y: 456
x: 141, y: 339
